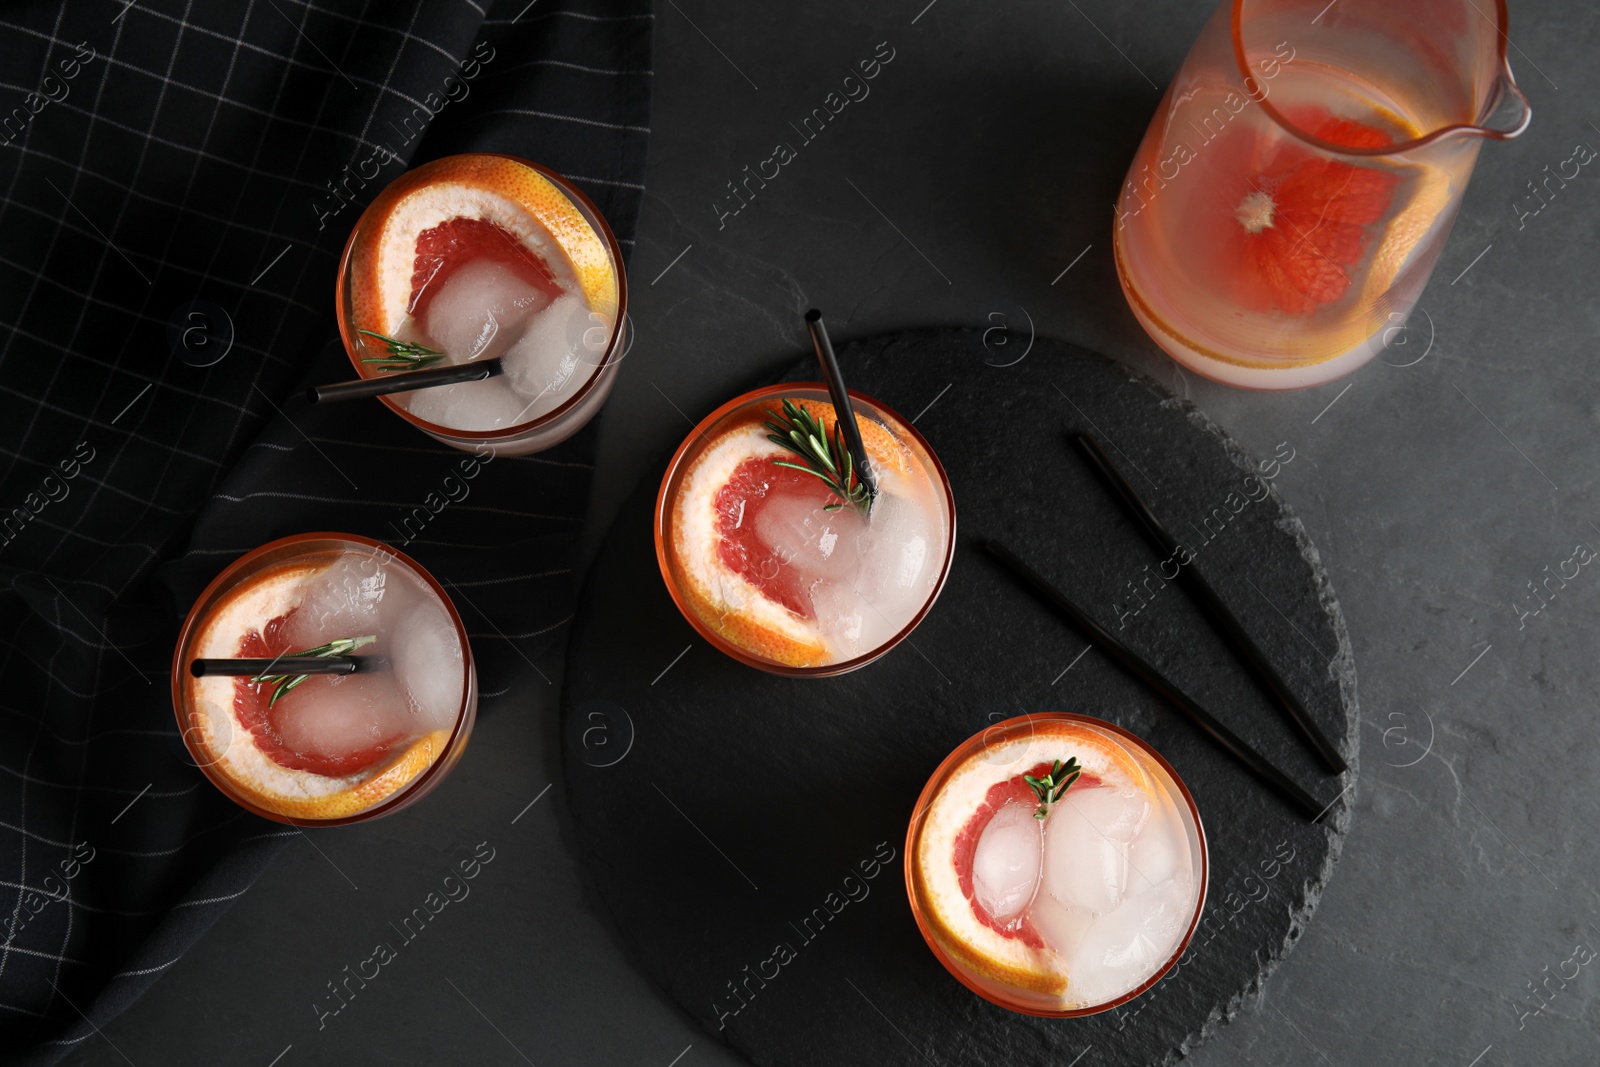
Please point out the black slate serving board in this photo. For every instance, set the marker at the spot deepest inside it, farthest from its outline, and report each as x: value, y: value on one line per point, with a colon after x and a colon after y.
x: 720, y: 808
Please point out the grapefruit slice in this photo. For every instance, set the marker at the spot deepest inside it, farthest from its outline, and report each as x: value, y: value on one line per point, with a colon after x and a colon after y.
x: 1303, y: 217
x: 231, y: 729
x: 1014, y: 955
x: 1431, y: 194
x: 732, y: 581
x: 443, y: 214
x: 443, y: 249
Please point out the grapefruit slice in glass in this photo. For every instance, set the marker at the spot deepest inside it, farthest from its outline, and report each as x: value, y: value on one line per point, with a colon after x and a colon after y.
x: 1016, y: 954
x: 236, y: 734
x: 735, y: 578
x: 444, y: 214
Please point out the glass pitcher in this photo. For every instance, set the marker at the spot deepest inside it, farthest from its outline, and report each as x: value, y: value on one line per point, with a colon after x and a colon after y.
x: 1299, y: 179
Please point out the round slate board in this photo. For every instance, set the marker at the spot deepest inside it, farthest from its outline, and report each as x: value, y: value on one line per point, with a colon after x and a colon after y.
x: 746, y: 830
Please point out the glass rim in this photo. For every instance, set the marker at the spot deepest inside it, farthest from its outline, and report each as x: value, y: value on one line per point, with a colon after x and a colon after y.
x: 1506, y: 82
x: 608, y: 362
x: 977, y: 742
x: 722, y: 644
x: 251, y: 562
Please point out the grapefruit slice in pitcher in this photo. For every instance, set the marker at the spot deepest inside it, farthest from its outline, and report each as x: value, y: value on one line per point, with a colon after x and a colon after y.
x: 1304, y: 222
x: 1306, y: 232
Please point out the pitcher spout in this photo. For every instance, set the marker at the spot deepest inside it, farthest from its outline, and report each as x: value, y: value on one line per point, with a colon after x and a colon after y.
x: 1510, y: 113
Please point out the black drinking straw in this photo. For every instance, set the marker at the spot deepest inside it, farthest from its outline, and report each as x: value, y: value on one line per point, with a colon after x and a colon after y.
x: 844, y: 414
x: 406, y: 380
x: 284, y: 665
x: 1224, y: 738
x: 1210, y: 603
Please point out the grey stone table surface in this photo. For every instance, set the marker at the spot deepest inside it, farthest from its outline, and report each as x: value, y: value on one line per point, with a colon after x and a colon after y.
x: 1458, y: 926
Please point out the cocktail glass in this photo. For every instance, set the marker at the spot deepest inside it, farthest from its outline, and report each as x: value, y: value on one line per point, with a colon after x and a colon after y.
x: 763, y: 569
x: 329, y: 750
x: 1070, y: 914
x: 1297, y: 184
x: 480, y: 256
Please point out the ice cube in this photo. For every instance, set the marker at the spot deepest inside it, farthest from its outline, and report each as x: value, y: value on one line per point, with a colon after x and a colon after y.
x: 334, y: 716
x: 894, y: 566
x: 849, y: 622
x: 1061, y: 925
x: 867, y: 578
x: 1125, y: 945
x: 485, y: 405
x: 815, y: 542
x: 1005, y: 865
x: 895, y: 549
x: 550, y: 359
x: 1117, y: 813
x: 843, y: 618
x: 1082, y: 866
x: 426, y: 659
x: 342, y: 600
x: 1160, y: 851
x: 479, y: 310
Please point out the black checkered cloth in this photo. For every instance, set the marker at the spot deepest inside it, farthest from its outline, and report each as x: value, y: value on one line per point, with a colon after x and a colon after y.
x: 178, y: 181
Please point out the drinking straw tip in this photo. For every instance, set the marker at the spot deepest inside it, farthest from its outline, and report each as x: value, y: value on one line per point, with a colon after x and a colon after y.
x: 814, y: 315
x: 312, y: 396
x: 197, y: 669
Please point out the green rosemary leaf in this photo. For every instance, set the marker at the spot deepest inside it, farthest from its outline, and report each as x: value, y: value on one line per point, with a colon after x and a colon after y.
x: 402, y: 355
x: 284, y: 683
x: 1053, y: 786
x: 823, y: 454
x: 284, y: 687
x: 798, y: 467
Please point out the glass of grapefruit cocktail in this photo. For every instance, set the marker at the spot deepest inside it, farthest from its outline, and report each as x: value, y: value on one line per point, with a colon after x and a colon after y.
x: 1056, y: 865
x: 1296, y: 187
x: 326, y: 750
x: 479, y: 256
x: 775, y: 569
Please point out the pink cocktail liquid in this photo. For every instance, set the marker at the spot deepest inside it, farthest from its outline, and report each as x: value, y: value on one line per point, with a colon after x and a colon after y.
x: 1277, y: 227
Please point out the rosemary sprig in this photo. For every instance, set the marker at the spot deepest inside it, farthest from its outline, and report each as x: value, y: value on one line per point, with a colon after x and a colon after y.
x: 826, y: 457
x: 284, y: 682
x: 1053, y: 786
x: 403, y: 355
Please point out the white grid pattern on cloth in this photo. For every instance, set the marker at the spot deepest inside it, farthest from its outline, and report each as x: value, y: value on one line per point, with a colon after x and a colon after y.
x: 167, y: 83
x: 138, y: 188
x: 22, y: 875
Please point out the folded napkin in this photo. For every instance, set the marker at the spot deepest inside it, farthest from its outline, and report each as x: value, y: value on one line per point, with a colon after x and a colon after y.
x: 179, y: 180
